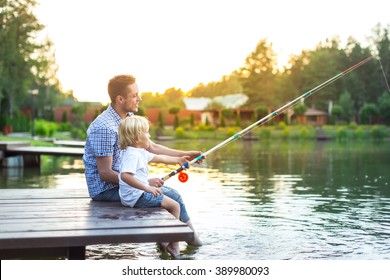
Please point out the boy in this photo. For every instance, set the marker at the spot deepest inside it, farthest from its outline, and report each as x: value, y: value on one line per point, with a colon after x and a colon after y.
x: 134, y: 189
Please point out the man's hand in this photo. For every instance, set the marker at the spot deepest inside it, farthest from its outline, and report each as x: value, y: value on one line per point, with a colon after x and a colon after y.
x: 195, y: 154
x: 156, y: 182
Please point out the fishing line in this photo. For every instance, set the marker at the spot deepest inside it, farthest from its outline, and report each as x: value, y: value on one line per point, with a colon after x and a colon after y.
x: 384, y: 75
x: 184, y: 177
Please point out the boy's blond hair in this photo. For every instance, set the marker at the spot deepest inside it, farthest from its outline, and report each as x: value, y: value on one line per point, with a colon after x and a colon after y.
x: 130, y: 130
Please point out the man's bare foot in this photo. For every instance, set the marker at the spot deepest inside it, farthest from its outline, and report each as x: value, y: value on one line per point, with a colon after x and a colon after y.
x: 196, y: 242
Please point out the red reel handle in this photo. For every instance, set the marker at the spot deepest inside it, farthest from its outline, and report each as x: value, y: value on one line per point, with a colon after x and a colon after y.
x: 183, y: 177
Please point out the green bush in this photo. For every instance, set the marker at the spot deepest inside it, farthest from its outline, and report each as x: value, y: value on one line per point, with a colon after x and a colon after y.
x: 341, y: 133
x: 379, y: 132
x: 204, y: 127
x: 19, y: 123
x: 353, y: 125
x: 230, y: 132
x: 179, y: 133
x: 281, y: 125
x: 286, y: 132
x: 304, y: 133
x: 78, y: 133
x: 359, y: 133
x: 64, y: 126
x: 265, y: 133
x: 45, y: 128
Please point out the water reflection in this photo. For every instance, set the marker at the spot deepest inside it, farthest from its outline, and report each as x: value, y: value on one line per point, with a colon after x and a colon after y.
x: 54, y: 172
x: 264, y: 200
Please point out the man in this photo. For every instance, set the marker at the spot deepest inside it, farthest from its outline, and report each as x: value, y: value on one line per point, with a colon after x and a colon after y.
x: 102, y: 154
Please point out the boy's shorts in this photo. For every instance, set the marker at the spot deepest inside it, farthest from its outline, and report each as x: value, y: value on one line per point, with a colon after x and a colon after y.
x: 148, y: 200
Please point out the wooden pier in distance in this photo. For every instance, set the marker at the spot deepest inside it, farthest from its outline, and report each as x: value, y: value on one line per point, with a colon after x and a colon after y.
x: 15, y: 153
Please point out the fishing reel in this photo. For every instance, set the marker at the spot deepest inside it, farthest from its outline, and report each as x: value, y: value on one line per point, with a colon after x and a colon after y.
x: 183, y: 177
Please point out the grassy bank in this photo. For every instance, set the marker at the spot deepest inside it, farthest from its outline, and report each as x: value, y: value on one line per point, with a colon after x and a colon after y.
x: 33, y: 142
x: 280, y: 131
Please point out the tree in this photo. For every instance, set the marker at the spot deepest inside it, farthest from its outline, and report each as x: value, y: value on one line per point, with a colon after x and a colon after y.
x: 160, y: 120
x: 337, y: 112
x: 227, y: 85
x: 261, y: 112
x: 257, y: 75
x: 175, y: 111
x: 46, y: 81
x: 227, y: 113
x: 384, y: 108
x: 323, y: 63
x: 17, y: 31
x: 294, y: 77
x: 150, y: 100
x: 381, y: 42
x: 25, y: 63
x: 64, y: 118
x: 300, y: 109
x: 238, y: 118
x: 361, y: 83
x: 174, y: 97
x: 347, y: 106
x: 368, y: 112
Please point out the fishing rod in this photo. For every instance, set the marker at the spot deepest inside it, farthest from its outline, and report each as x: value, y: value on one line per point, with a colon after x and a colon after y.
x: 184, y: 177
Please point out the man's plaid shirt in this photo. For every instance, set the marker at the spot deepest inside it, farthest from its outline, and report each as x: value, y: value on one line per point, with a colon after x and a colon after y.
x: 102, y: 141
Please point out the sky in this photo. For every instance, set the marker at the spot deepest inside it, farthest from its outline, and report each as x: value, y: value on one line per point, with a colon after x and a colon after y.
x: 181, y: 43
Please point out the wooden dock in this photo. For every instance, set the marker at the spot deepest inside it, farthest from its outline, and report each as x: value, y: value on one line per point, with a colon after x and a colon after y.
x: 22, y: 154
x: 53, y: 223
x: 69, y: 143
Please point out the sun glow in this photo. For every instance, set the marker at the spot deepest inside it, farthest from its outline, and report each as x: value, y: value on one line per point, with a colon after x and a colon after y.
x: 180, y: 44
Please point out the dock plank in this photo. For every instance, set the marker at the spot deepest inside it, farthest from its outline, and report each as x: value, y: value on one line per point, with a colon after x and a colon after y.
x: 58, y: 221
x: 53, y: 193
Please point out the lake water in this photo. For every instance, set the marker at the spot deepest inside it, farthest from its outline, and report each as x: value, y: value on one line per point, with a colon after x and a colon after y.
x: 263, y: 200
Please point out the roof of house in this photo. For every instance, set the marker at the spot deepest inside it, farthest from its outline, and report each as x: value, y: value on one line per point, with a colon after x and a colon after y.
x: 231, y: 101
x: 314, y: 112
x: 200, y: 103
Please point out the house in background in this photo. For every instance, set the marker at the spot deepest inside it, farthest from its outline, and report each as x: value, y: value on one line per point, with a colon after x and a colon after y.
x: 231, y: 101
x: 197, y: 103
x: 168, y: 119
x: 212, y: 116
x: 312, y: 116
x: 197, y: 110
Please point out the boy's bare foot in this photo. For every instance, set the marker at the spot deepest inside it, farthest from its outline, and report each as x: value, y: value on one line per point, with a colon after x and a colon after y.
x: 163, y: 246
x: 173, y: 250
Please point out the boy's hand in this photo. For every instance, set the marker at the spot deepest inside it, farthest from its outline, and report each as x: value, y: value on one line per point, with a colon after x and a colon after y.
x: 183, y: 160
x: 154, y: 191
x: 156, y: 182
